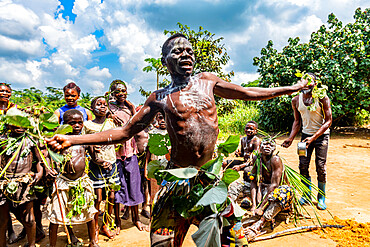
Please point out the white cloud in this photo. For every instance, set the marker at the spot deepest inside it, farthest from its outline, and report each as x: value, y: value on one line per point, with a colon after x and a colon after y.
x: 243, y: 77
x: 98, y: 73
x: 96, y: 87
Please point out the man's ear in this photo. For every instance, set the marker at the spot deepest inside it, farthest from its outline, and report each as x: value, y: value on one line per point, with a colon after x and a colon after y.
x: 163, y: 60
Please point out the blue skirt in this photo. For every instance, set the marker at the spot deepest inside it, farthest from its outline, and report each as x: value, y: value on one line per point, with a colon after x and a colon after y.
x: 103, y: 177
x: 131, y: 193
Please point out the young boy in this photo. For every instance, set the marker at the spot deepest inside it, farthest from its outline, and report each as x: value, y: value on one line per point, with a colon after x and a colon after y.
x: 72, y: 199
x: 249, y: 143
x: 15, y: 188
x: 160, y: 128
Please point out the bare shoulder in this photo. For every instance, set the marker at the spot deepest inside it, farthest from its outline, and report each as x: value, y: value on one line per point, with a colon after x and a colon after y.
x: 276, y: 162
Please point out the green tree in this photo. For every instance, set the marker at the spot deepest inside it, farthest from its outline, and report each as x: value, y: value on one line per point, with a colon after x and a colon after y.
x: 340, y: 57
x: 210, y: 55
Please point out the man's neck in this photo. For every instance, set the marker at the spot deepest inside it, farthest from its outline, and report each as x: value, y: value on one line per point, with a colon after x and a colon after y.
x: 180, y: 80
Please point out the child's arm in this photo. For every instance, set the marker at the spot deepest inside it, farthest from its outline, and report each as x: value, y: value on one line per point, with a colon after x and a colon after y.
x: 93, y: 150
x: 39, y: 167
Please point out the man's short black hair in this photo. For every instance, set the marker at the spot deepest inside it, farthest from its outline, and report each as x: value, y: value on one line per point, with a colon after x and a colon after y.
x: 6, y: 85
x: 68, y: 115
x: 165, y: 48
x: 72, y: 85
x: 253, y: 122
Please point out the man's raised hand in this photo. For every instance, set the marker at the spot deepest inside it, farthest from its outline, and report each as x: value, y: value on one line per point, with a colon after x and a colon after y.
x: 59, y: 142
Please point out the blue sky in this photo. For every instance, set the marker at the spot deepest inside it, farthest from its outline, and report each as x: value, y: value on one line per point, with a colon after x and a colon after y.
x: 92, y: 42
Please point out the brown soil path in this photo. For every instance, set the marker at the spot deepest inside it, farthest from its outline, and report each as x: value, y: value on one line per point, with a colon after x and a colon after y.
x: 348, y: 192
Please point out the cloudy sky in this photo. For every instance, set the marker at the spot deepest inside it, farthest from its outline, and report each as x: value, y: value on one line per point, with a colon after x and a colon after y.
x: 92, y: 42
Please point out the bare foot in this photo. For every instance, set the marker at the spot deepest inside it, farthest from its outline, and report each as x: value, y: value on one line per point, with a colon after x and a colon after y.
x: 141, y: 226
x: 254, y: 230
x: 118, y: 230
x: 105, y: 231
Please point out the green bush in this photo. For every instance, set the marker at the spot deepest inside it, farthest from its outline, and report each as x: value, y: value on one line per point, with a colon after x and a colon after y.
x: 233, y: 123
x: 338, y: 54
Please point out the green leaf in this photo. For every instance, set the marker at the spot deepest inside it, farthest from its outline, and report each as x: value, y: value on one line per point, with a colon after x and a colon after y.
x: 213, y: 166
x: 158, y: 144
x: 58, y: 158
x: 63, y: 129
x: 153, y: 167
x: 216, y: 195
x: 184, y: 204
x: 49, y: 120
x: 229, y: 146
x: 209, y: 232
x: 230, y: 176
x: 18, y: 118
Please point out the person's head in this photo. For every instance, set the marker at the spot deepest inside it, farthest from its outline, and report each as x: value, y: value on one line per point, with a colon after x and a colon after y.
x: 178, y: 55
x: 160, y: 121
x: 99, y: 106
x: 5, y: 92
x: 251, y: 128
x: 74, y: 118
x: 267, y: 147
x: 71, y: 94
x: 15, y: 130
x: 312, y: 85
x: 118, y: 89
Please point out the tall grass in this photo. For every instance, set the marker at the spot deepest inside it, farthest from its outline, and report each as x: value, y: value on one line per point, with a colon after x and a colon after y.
x: 233, y: 123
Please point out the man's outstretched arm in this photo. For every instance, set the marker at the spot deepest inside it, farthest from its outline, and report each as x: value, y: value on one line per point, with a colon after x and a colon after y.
x: 113, y: 136
x: 232, y: 91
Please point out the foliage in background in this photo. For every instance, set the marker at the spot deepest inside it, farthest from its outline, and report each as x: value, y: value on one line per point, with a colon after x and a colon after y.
x: 234, y: 122
x: 52, y: 98
x: 210, y: 56
x: 340, y: 57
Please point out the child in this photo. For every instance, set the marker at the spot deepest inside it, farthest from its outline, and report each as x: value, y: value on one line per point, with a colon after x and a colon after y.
x: 103, y: 168
x: 72, y: 200
x: 249, y: 143
x: 71, y: 95
x: 130, y: 193
x: 16, y: 188
x: 160, y: 128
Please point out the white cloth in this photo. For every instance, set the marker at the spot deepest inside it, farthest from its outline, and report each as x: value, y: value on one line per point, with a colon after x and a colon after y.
x: 311, y: 120
x: 55, y: 210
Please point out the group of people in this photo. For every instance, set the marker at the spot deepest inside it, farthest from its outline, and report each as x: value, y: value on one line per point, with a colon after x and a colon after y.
x: 186, y: 110
x: 111, y: 175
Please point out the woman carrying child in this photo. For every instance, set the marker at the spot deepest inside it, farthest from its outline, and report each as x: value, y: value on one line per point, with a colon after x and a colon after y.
x: 103, y: 168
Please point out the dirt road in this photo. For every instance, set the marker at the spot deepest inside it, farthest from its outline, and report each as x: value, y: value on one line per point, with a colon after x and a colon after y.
x: 348, y: 192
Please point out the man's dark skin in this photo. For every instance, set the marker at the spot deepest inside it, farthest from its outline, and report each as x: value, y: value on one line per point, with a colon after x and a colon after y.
x: 297, y: 124
x: 270, y: 177
x: 73, y: 170
x: 248, y: 143
x: 24, y: 211
x: 189, y: 106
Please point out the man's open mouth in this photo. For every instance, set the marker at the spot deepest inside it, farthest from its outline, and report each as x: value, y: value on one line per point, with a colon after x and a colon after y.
x: 186, y: 64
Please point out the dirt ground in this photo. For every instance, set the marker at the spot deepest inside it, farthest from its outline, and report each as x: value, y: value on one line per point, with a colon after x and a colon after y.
x: 348, y: 197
